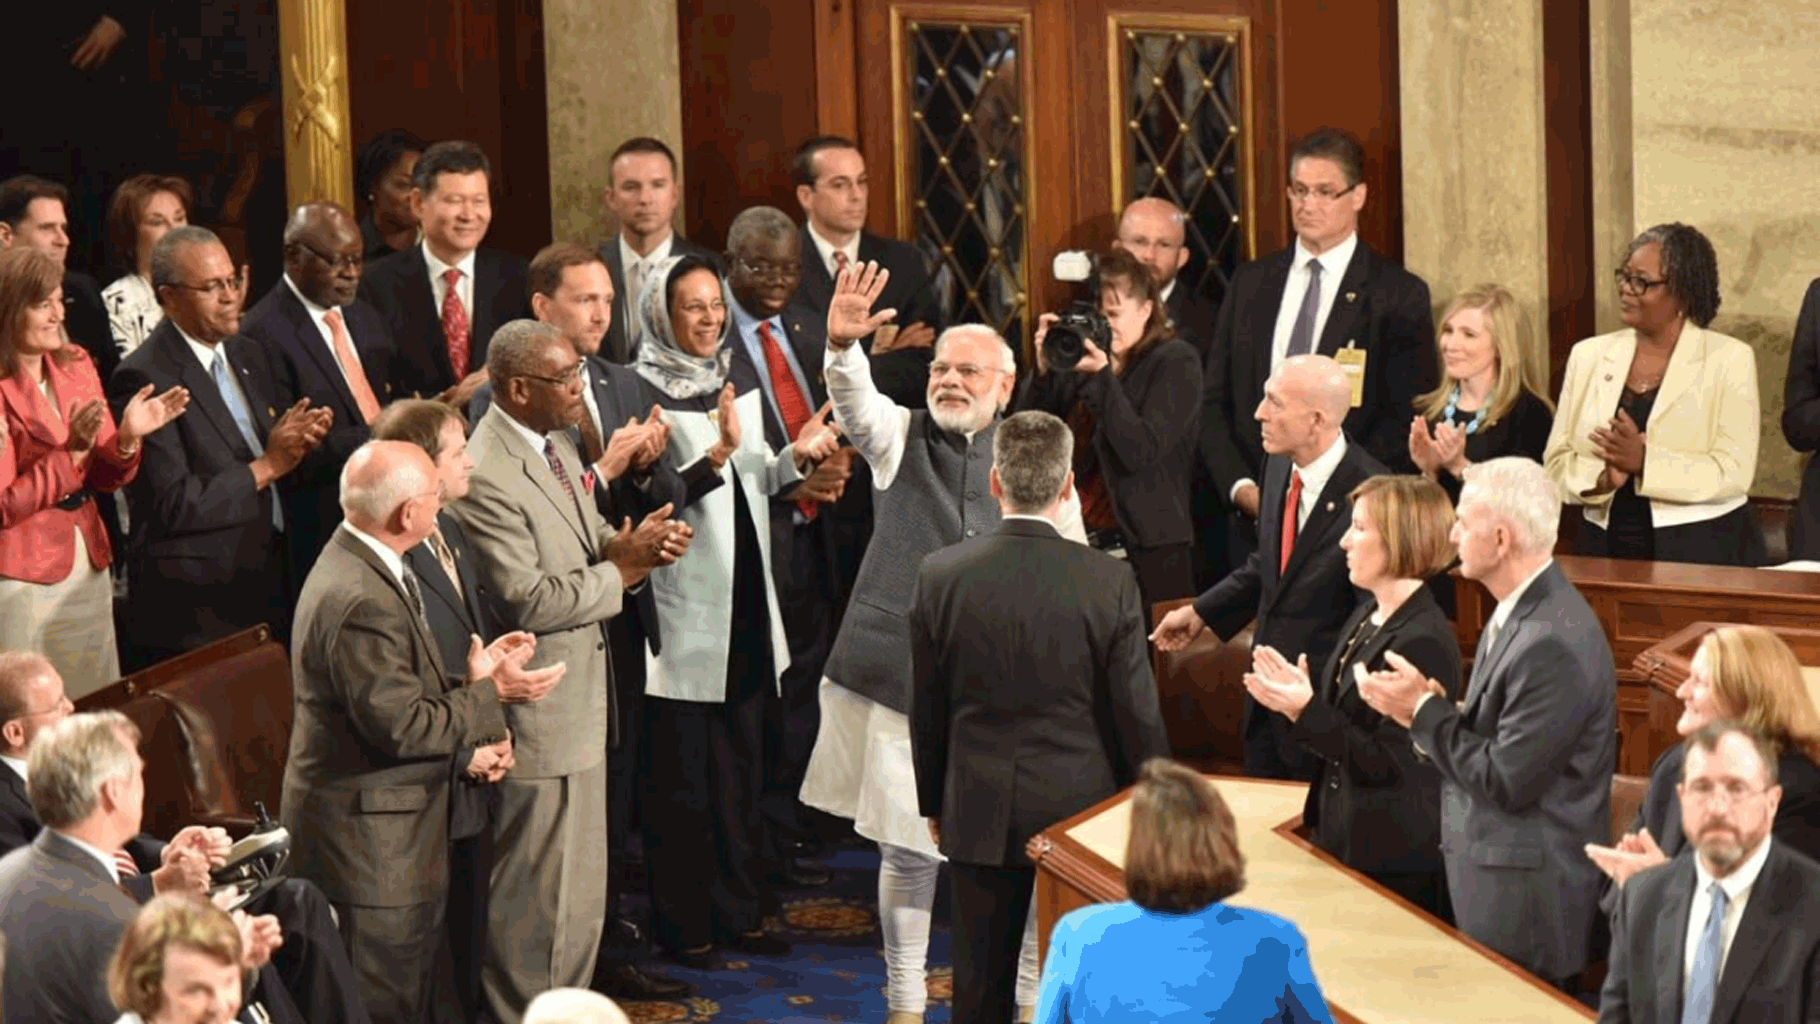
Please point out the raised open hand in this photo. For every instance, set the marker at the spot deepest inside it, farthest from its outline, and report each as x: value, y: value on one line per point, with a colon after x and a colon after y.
x: 145, y: 412
x: 850, y: 315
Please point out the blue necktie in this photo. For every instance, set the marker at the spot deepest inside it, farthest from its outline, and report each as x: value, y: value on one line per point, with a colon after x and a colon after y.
x: 243, y: 418
x: 1703, y: 983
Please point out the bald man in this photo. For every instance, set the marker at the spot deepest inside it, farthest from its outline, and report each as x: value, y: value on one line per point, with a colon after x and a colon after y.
x: 325, y: 345
x: 377, y: 717
x: 1295, y: 584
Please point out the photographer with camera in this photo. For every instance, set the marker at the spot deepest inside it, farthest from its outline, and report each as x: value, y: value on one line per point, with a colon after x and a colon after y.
x: 1130, y: 391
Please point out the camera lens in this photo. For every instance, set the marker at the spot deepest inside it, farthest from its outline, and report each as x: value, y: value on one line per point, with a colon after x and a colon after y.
x: 1063, y: 347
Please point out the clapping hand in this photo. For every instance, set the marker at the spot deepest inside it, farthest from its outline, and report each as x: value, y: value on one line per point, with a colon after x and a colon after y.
x: 657, y: 540
x: 828, y: 480
x: 146, y: 413
x: 503, y: 662
x: 1635, y: 852
x: 260, y: 937
x: 1450, y: 445
x: 657, y: 438
x: 1394, y: 692
x: 1422, y: 450
x: 1278, y: 685
x: 623, y: 449
x: 726, y: 415
x: 850, y: 315
x: 85, y: 419
x: 818, y: 438
x: 1621, y: 444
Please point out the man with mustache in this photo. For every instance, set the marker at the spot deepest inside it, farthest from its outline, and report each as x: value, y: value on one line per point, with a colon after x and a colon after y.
x: 1725, y: 931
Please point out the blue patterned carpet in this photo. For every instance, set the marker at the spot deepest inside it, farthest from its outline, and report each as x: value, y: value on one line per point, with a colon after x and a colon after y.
x: 834, y: 972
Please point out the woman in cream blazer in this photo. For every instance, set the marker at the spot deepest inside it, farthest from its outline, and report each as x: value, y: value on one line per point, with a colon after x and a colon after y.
x: 1656, y: 431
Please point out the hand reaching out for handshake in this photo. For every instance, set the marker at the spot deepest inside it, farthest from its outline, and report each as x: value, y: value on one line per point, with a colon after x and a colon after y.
x: 503, y: 661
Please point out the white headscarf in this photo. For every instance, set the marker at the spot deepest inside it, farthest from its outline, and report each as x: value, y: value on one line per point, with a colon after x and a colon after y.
x: 660, y: 359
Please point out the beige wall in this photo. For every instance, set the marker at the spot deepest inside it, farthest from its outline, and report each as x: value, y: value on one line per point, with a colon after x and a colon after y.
x: 1726, y: 137
x: 612, y: 73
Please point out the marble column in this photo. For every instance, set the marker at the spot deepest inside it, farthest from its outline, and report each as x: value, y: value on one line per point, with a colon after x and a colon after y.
x: 313, y: 65
x: 1475, y: 181
x: 611, y: 72
x: 1613, y: 159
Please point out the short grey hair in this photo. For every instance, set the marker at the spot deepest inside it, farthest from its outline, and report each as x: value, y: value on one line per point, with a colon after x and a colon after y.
x: 1032, y: 452
x: 170, y: 247
x: 759, y: 222
x: 574, y: 1006
x: 1007, y: 359
x: 512, y: 352
x: 1522, y: 493
x: 69, y: 761
x: 384, y: 492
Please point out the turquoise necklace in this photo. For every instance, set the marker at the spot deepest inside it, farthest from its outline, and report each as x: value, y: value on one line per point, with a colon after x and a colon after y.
x: 1453, y: 403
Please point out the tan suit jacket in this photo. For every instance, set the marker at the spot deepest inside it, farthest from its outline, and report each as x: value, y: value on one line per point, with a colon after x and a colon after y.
x: 542, y: 559
x: 366, y: 786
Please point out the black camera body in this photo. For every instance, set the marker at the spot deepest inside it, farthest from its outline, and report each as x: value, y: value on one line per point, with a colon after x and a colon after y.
x: 1065, y: 343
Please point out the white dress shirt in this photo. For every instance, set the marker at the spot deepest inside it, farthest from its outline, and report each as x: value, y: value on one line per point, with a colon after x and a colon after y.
x: 638, y: 267
x: 827, y: 250
x: 464, y: 289
x: 17, y: 764
x: 1737, y: 886
x: 1314, y: 479
x: 317, y: 315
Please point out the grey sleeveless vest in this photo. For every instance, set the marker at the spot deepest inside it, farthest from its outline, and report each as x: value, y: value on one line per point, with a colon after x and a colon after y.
x: 941, y: 496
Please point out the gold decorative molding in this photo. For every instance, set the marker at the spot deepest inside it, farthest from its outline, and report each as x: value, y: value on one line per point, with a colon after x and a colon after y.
x: 313, y: 53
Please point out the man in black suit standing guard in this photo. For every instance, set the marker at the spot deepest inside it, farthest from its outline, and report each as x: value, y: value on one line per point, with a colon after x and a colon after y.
x: 1031, y: 699
x: 1295, y: 584
x: 442, y: 299
x: 1328, y: 294
x: 832, y: 186
x: 641, y: 195
x: 325, y: 345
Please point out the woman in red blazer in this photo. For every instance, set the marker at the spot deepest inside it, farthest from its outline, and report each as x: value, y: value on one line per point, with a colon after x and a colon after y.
x: 60, y: 447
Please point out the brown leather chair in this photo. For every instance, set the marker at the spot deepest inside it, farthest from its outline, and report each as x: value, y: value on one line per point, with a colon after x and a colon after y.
x: 1627, y: 793
x: 1202, y: 692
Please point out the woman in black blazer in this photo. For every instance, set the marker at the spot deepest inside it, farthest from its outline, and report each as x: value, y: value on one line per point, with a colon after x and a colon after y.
x: 1135, y: 412
x: 1740, y: 674
x: 1492, y: 398
x: 1373, y: 804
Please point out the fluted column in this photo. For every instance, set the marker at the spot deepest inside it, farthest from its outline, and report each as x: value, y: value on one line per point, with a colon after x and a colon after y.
x: 313, y: 63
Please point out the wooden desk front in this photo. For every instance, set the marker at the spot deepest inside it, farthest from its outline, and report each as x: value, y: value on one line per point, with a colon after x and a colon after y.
x: 1377, y: 957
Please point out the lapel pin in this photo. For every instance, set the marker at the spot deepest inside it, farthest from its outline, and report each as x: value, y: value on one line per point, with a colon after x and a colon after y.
x: 1330, y: 506
x: 1352, y: 296
x: 270, y: 411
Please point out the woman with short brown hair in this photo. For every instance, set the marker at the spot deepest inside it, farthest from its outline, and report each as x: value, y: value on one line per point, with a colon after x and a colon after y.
x: 1175, y: 951
x: 143, y: 209
x: 178, y: 963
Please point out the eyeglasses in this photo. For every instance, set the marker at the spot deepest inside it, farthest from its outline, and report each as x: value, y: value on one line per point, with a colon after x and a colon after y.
x: 62, y: 703
x: 220, y: 287
x: 1635, y: 284
x: 1322, y: 193
x: 767, y: 268
x: 968, y: 372
x: 1705, y: 791
x: 569, y: 376
x: 345, y: 261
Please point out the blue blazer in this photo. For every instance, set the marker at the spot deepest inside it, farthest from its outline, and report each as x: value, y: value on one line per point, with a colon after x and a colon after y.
x: 1120, y: 962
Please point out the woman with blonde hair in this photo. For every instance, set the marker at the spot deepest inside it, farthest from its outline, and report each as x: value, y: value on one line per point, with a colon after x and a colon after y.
x: 1176, y: 950
x: 1743, y: 674
x: 179, y: 962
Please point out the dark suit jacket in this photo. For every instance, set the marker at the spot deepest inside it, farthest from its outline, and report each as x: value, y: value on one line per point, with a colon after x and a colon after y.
x: 378, y: 719
x: 85, y: 321
x: 1031, y: 694
x: 1301, y: 610
x: 398, y: 286
x: 901, y: 375
x: 1380, y: 307
x: 305, y: 368
x: 1771, y: 973
x: 201, y: 552
x: 1526, y: 766
x: 618, y: 345
x: 1146, y: 425
x: 18, y: 822
x: 1195, y: 318
x: 1373, y: 803
x: 1801, y: 422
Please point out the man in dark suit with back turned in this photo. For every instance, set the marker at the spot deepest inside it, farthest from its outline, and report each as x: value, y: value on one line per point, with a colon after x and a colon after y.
x: 1526, y: 759
x: 832, y: 186
x: 378, y: 717
x: 327, y: 346
x: 1330, y: 294
x: 209, y: 554
x: 443, y: 298
x: 1727, y: 932
x: 1295, y: 584
x: 641, y: 195
x: 1032, y: 699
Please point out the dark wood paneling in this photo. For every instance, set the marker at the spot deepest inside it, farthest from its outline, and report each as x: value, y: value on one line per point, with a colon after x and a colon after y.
x: 474, y: 70
x: 1573, y: 266
x: 748, y: 98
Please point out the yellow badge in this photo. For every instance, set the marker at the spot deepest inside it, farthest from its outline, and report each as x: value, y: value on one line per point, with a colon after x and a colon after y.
x: 1352, y: 361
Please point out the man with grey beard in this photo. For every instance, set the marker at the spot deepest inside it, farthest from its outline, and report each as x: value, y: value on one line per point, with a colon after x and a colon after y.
x: 930, y: 490
x: 1727, y: 930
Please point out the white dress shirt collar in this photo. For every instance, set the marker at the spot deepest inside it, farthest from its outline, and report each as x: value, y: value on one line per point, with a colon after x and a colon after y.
x: 1333, y: 262
x: 205, y: 354
x: 1168, y: 290
x: 1737, y: 885
x: 316, y: 312
x: 1501, y: 614
x: 827, y: 250
x: 438, y: 268
x: 17, y: 764
x: 106, y: 859
x: 1316, y: 474
x: 393, y: 561
x: 659, y: 253
x: 532, y: 437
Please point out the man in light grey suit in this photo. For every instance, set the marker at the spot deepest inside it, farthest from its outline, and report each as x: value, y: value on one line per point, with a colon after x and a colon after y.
x: 1527, y: 758
x: 378, y: 715
x: 558, y: 570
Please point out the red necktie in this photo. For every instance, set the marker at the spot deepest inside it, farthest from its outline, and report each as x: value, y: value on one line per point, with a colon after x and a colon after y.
x: 792, y: 404
x: 455, y: 323
x: 1291, y: 503
x: 123, y: 862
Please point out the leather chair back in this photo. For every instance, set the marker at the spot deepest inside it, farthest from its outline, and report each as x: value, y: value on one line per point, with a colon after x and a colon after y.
x: 1202, y: 692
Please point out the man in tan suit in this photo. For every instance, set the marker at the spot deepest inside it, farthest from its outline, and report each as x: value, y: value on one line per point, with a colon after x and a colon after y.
x: 558, y: 570
x: 366, y: 786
